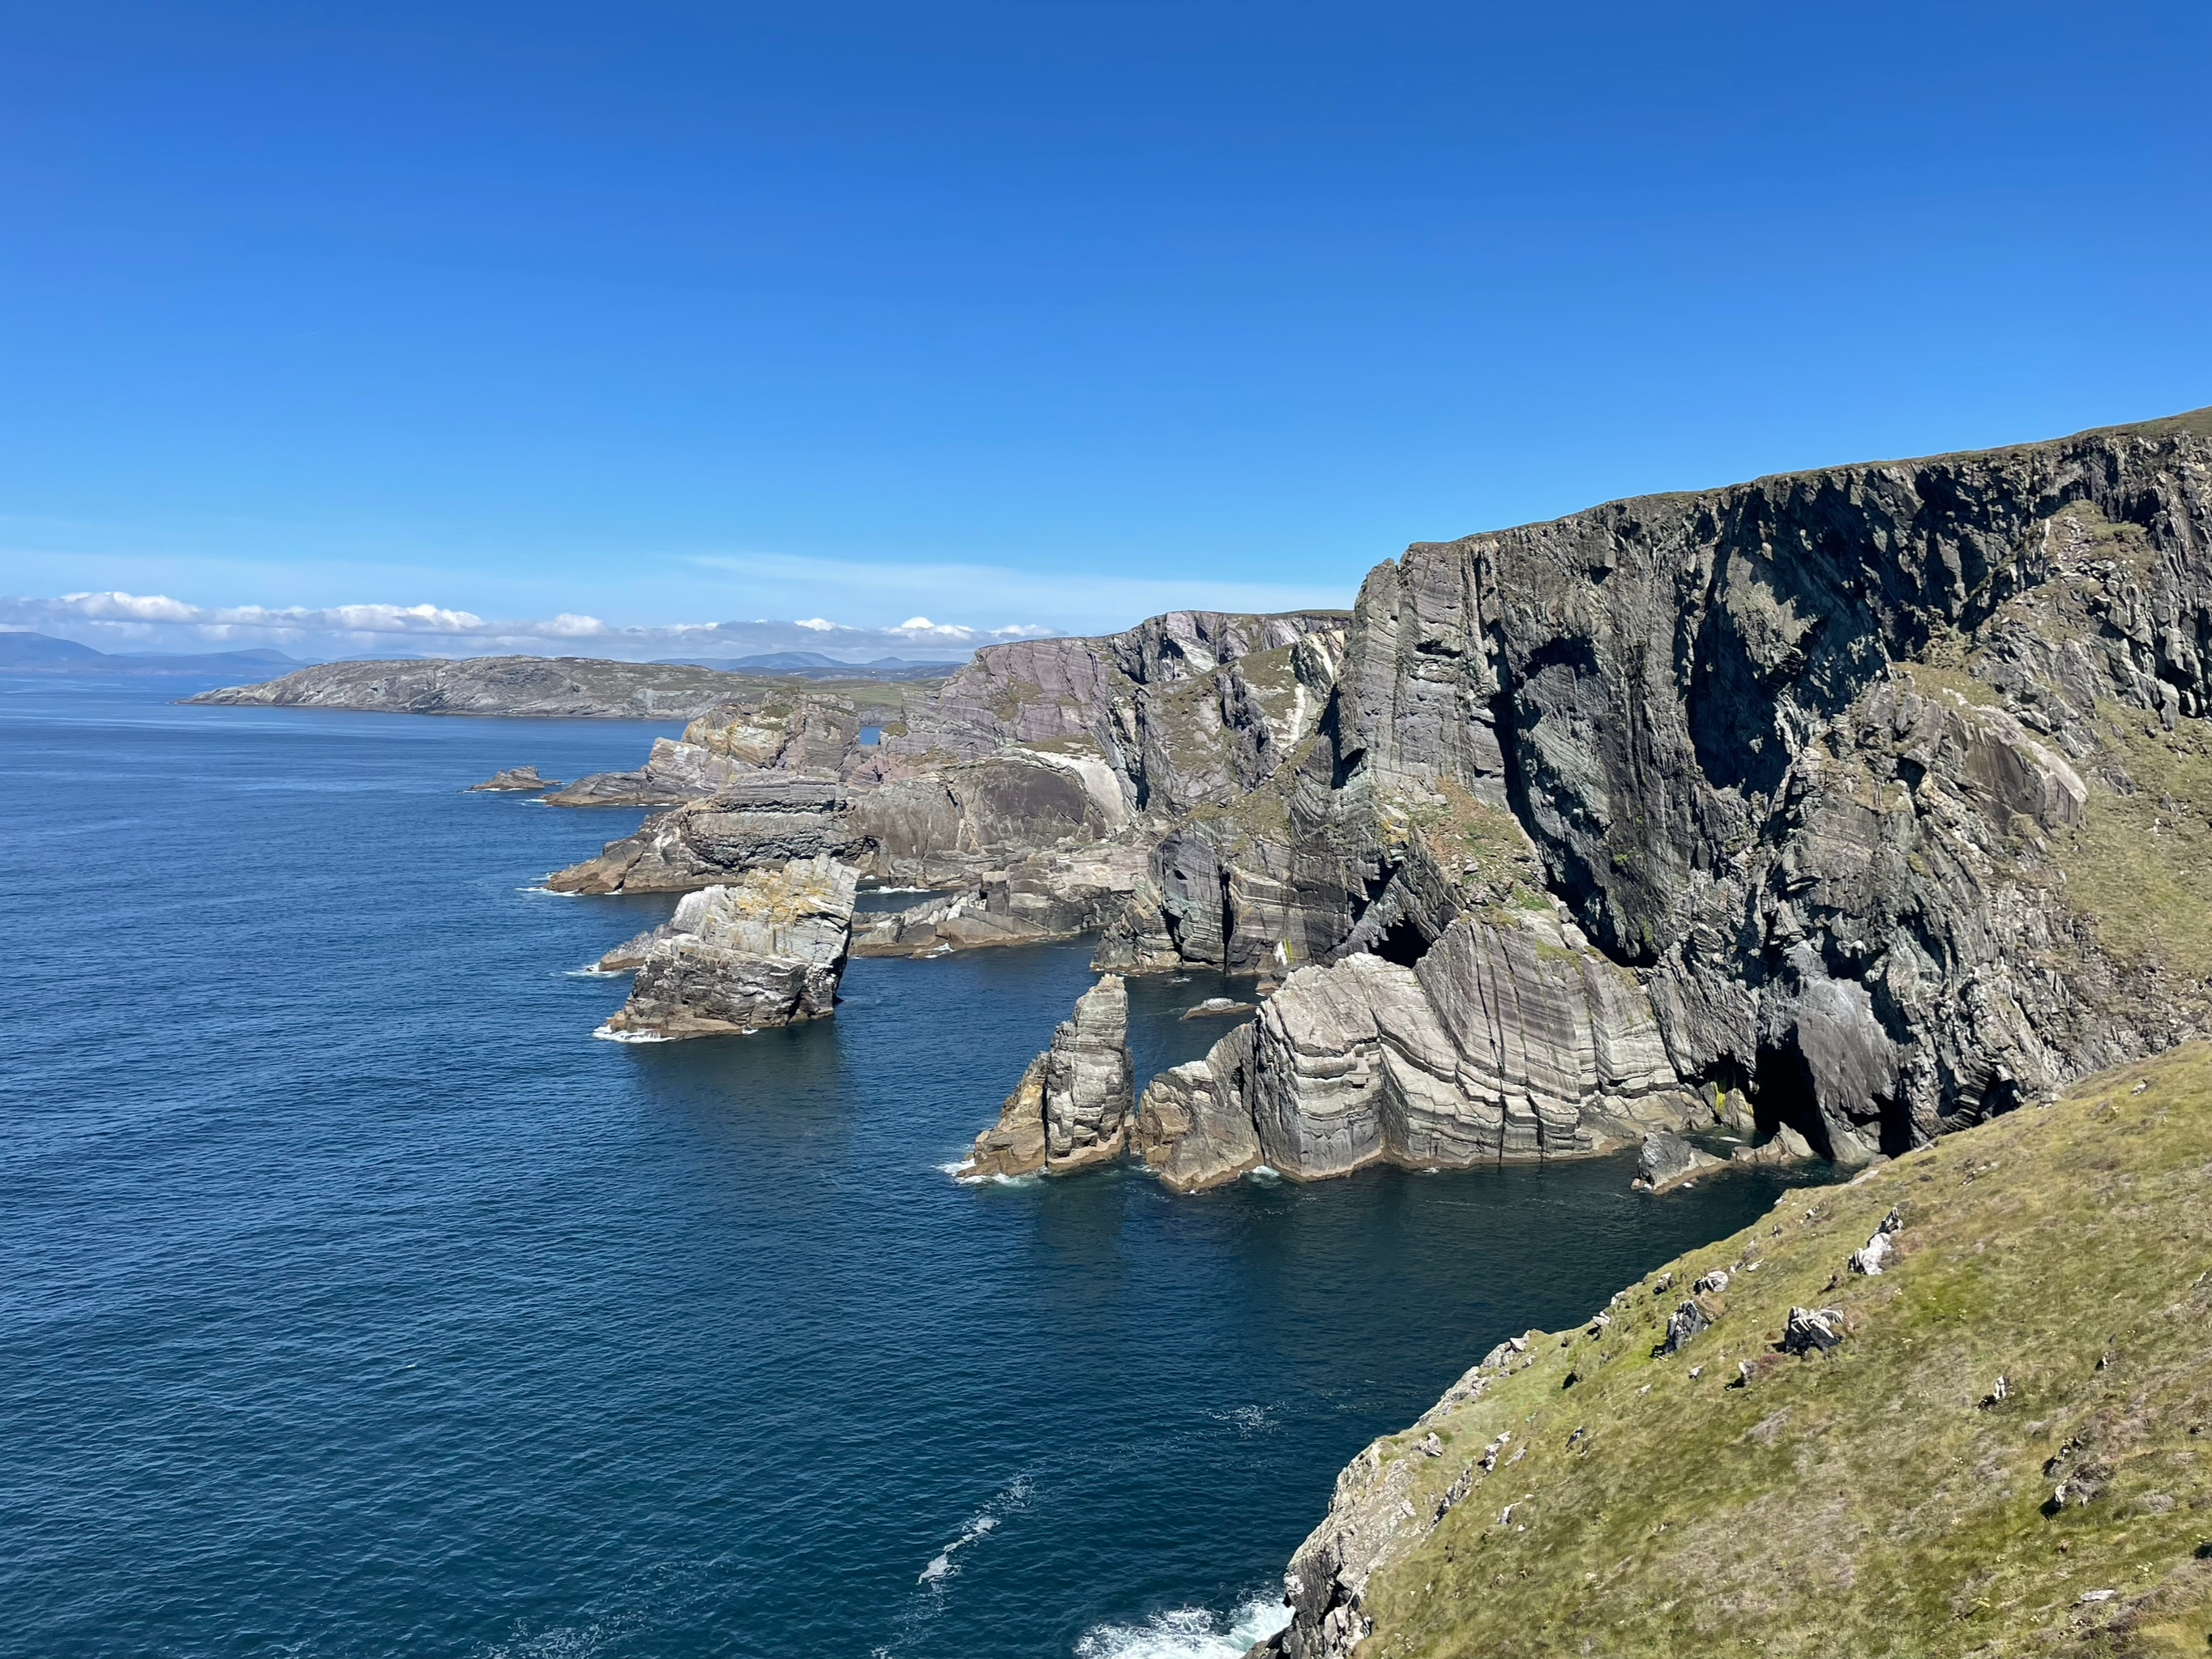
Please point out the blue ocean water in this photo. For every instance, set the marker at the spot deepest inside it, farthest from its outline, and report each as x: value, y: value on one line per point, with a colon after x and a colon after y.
x: 357, y: 1302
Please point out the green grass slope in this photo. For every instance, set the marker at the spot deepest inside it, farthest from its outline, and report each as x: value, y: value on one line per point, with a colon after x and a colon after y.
x: 1877, y: 1499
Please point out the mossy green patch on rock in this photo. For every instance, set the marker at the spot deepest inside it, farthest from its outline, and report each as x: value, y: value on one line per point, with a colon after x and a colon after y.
x: 1891, y: 1496
x: 2141, y: 867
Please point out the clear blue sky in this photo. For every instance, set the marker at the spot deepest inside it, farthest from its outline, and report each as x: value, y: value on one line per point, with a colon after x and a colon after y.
x: 1041, y: 314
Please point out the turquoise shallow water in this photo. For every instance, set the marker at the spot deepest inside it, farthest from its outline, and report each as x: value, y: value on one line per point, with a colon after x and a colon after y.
x: 358, y: 1303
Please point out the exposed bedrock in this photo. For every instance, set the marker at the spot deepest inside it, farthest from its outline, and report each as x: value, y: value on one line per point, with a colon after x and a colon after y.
x: 1826, y: 758
x: 935, y: 828
x: 767, y: 819
x: 1179, y: 709
x: 1071, y: 1109
x: 1504, y: 1042
x: 1048, y: 896
x: 766, y: 951
x: 730, y: 747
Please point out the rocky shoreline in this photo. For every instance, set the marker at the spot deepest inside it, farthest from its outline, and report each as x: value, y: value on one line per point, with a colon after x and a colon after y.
x: 1848, y: 797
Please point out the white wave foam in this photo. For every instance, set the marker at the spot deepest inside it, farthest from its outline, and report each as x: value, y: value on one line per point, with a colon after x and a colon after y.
x: 1261, y: 1172
x: 1247, y: 1421
x: 1187, y: 1633
x: 595, y: 972
x: 964, y: 1172
x: 606, y: 1033
x: 550, y: 892
x: 981, y: 1525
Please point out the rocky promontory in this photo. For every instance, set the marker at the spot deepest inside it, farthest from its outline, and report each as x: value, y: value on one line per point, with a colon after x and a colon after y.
x: 765, y: 952
x: 1071, y: 1109
x: 1953, y: 1408
x: 549, y: 688
x: 1873, y: 801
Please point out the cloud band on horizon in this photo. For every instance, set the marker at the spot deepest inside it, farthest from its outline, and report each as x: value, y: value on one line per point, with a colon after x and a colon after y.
x: 156, y: 622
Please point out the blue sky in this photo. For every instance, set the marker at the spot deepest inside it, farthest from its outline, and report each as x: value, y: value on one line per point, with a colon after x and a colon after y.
x: 1029, y: 316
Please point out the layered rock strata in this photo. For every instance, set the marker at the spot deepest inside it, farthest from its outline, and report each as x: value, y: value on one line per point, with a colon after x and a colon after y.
x: 1503, y: 1043
x: 1046, y: 896
x: 1880, y: 783
x: 730, y: 748
x: 766, y: 952
x: 1071, y: 1107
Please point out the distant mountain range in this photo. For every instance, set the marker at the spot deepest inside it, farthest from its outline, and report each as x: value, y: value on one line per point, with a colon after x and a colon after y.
x: 25, y: 653
x: 815, y: 666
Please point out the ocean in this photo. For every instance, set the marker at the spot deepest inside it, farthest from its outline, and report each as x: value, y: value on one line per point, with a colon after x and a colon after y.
x: 357, y: 1302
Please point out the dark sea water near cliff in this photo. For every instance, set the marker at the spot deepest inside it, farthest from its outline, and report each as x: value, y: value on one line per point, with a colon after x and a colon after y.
x: 356, y: 1301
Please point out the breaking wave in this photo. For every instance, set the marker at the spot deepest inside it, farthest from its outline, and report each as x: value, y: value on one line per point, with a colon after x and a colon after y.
x: 606, y: 1033
x: 1187, y: 1633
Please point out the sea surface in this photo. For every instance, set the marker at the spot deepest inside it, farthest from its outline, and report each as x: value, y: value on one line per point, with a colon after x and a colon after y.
x: 354, y: 1300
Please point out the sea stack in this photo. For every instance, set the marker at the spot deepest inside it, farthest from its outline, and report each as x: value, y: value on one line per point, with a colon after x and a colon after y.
x: 764, y: 952
x: 1071, y: 1108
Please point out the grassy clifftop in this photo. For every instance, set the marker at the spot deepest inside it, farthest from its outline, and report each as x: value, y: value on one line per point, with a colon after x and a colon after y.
x: 1884, y: 1498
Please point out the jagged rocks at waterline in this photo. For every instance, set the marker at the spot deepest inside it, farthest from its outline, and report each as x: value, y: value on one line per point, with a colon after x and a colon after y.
x: 768, y: 950
x: 514, y: 781
x: 1071, y: 1109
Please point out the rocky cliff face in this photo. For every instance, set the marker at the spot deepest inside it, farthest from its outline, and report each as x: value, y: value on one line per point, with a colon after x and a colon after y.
x: 1179, y: 709
x: 768, y: 950
x: 1071, y: 1109
x: 1815, y: 757
x: 1879, y: 796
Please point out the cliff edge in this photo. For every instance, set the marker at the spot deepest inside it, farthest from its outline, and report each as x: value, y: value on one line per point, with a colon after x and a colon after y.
x: 1960, y: 1405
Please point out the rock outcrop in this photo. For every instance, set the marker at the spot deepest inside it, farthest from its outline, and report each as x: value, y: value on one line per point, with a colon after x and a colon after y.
x: 1697, y: 1453
x: 1667, y: 1160
x: 766, y: 952
x: 1048, y: 896
x: 730, y: 749
x: 1071, y: 1109
x: 1503, y: 1043
x: 515, y: 781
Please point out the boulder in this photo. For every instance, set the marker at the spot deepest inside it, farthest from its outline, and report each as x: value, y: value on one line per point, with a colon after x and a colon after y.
x: 1811, y: 1330
x: 1668, y: 1160
x: 766, y: 951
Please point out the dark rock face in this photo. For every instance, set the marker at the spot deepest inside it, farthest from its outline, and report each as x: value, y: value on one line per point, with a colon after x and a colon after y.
x: 769, y: 818
x: 1799, y: 753
x: 1792, y: 793
x: 1179, y: 708
x: 1046, y: 896
x: 1667, y: 1160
